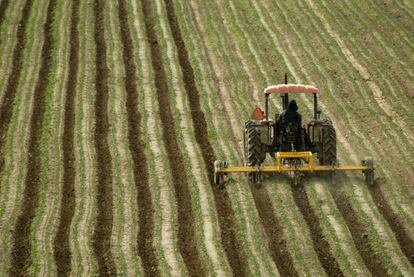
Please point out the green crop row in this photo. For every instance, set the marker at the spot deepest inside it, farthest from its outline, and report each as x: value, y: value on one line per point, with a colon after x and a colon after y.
x: 47, y: 212
x: 15, y: 146
x: 83, y: 259
x: 125, y: 214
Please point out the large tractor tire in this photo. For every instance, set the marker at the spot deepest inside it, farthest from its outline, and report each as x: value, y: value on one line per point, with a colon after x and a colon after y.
x: 253, y: 146
x: 328, y: 156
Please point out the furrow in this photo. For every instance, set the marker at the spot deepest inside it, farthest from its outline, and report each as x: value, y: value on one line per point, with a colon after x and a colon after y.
x: 344, y: 243
x: 292, y: 227
x: 200, y: 186
x: 21, y: 250
x: 186, y: 229
x: 358, y: 230
x: 165, y: 233
x: 15, y: 158
x: 224, y: 92
x: 274, y: 231
x: 145, y: 208
x: 403, y: 206
x: 404, y: 238
x: 363, y: 140
x: 376, y: 222
x: 260, y: 260
x: 389, y: 20
x: 321, y: 245
x: 296, y: 233
x: 13, y: 79
x: 124, y: 190
x: 214, y: 118
x: 8, y: 40
x: 62, y: 251
x: 3, y: 7
x: 104, y: 219
x: 165, y: 221
x: 378, y: 94
x: 326, y: 207
x: 81, y: 232
x: 47, y: 214
x: 341, y: 88
x: 385, y: 66
x: 374, y: 58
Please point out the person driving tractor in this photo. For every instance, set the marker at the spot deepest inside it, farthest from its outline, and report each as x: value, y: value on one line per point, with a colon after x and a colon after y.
x: 290, y: 135
x: 291, y: 115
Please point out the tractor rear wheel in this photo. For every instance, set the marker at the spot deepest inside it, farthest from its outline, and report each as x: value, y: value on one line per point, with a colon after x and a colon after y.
x: 328, y: 156
x: 253, y: 147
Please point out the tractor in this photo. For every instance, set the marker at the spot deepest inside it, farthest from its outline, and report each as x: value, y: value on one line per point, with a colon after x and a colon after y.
x: 296, y: 149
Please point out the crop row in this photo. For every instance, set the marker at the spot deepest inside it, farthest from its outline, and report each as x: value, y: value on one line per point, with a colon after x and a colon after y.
x: 111, y: 119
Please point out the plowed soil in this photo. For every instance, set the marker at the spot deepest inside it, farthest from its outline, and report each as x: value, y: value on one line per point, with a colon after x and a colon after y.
x: 320, y: 244
x: 13, y: 80
x: 3, y: 7
x: 187, y: 241
x: 104, y: 218
x: 144, y: 198
x: 274, y: 231
x: 394, y: 221
x: 225, y: 212
x: 21, y: 254
x: 62, y: 250
x: 372, y: 259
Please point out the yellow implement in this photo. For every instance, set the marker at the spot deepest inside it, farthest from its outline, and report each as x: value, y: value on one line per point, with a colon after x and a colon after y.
x: 294, y: 162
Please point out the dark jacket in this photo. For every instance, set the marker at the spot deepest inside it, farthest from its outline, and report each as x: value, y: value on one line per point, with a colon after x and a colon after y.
x: 291, y: 115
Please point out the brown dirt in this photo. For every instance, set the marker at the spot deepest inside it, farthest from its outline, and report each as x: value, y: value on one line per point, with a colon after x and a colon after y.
x: 394, y: 221
x: 226, y: 216
x: 359, y: 232
x: 320, y: 244
x: 274, y: 230
x: 144, y: 199
x: 187, y: 241
x: 279, y: 251
x: 21, y: 249
x: 61, y: 245
x: 104, y: 218
x: 6, y: 108
x: 3, y: 7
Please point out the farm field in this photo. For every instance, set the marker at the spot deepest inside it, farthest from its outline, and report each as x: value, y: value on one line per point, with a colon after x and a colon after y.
x: 113, y: 112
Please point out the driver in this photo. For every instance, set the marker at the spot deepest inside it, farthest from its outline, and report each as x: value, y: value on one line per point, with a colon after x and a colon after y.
x: 291, y: 115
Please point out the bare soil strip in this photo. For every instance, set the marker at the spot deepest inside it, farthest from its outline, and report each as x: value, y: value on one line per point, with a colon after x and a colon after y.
x: 321, y: 245
x: 61, y: 248
x: 104, y: 218
x: 187, y: 241
x: 3, y: 7
x: 144, y: 199
x: 225, y: 212
x: 274, y: 230
x: 13, y: 80
x: 394, y: 221
x: 21, y: 249
x: 372, y: 259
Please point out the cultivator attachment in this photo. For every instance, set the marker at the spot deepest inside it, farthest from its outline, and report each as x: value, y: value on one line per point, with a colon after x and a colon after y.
x: 296, y: 164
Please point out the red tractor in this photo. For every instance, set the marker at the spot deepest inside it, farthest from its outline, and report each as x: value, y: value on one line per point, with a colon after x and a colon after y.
x: 293, y: 146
